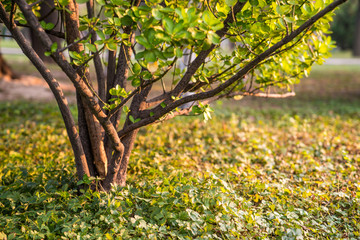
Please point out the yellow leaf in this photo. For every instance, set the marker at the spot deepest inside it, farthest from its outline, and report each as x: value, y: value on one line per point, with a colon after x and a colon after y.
x: 152, y: 67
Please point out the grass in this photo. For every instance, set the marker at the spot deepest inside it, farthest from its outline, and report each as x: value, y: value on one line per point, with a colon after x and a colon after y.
x: 258, y: 173
x: 8, y: 43
x: 341, y: 54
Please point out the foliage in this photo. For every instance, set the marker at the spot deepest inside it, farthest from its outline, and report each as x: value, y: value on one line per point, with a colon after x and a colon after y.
x: 258, y: 174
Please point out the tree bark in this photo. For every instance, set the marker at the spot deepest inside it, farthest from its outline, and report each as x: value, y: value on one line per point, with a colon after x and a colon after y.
x: 356, y: 49
x: 128, y: 142
x: 92, y: 125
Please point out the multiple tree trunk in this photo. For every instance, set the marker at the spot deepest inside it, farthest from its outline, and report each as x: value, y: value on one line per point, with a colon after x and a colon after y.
x: 100, y: 150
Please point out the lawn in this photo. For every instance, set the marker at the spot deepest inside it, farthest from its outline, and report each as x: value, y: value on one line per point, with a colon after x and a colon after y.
x: 260, y: 169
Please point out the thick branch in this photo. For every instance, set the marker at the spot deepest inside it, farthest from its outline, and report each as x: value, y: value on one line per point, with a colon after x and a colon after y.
x: 199, y: 60
x: 100, y: 76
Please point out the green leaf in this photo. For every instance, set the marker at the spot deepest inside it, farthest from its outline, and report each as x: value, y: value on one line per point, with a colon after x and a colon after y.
x: 179, y: 53
x: 91, y: 47
x: 136, y: 82
x: 140, y: 55
x: 101, y: 2
x: 212, y: 21
x: 54, y: 47
x: 150, y: 56
x: 64, y: 2
x: 254, y: 2
x: 82, y: 1
x: 126, y: 109
x: 306, y: 9
x: 143, y: 41
x: 167, y: 10
x: 101, y: 35
x: 168, y: 24
x: 49, y: 26
x: 112, y: 91
x: 214, y: 38
x: 127, y: 21
x: 156, y: 13
x: 131, y: 118
x: 111, y: 46
x: 136, y: 68
x: 230, y: 3
x: 47, y: 54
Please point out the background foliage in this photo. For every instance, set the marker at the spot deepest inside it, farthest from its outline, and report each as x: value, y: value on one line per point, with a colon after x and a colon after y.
x: 344, y: 25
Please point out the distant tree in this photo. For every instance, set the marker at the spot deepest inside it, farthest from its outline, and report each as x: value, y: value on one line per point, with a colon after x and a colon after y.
x: 5, y: 69
x: 345, y: 27
x: 277, y: 41
x: 356, y: 47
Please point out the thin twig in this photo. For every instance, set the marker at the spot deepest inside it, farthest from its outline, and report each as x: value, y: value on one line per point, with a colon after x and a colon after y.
x: 35, y: 3
x: 74, y: 43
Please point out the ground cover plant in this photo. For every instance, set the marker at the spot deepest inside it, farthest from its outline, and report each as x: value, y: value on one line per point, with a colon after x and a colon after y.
x: 286, y: 171
x: 274, y: 44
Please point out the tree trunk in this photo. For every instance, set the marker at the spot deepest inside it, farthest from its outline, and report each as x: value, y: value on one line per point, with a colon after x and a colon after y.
x: 128, y: 142
x: 5, y: 70
x: 356, y: 49
x: 50, y: 16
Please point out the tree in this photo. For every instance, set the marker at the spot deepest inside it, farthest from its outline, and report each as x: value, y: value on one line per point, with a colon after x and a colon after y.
x: 356, y: 40
x: 276, y: 43
x: 344, y: 25
x: 5, y: 70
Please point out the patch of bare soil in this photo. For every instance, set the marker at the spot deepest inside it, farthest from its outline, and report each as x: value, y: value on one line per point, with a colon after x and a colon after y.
x: 30, y: 88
